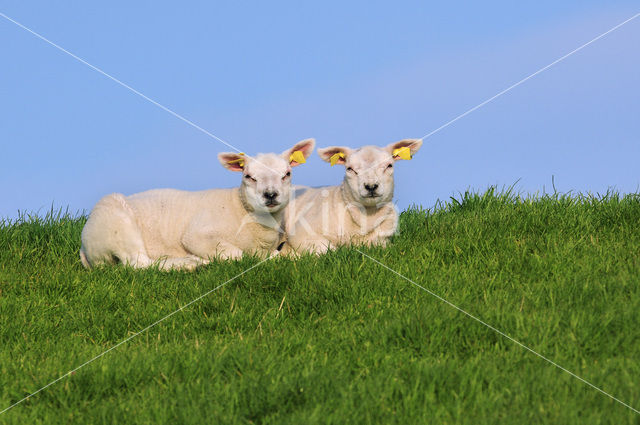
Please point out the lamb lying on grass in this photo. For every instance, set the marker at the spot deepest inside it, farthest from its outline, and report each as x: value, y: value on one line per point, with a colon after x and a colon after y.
x: 181, y: 230
x: 359, y: 211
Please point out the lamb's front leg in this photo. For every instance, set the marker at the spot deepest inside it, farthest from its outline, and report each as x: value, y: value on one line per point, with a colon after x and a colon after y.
x: 385, y: 228
x: 377, y: 241
x: 181, y: 263
x: 311, y: 246
x: 208, y: 242
x: 226, y: 251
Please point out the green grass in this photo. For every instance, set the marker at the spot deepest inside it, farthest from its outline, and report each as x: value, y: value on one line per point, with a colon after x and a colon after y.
x: 337, y: 338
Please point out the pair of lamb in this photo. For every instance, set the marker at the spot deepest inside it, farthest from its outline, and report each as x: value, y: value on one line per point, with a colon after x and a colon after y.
x: 182, y: 230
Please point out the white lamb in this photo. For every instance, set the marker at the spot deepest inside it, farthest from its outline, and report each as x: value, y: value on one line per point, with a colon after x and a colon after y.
x: 359, y: 211
x: 181, y: 230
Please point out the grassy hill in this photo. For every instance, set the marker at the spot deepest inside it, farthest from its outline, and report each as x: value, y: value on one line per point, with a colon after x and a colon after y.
x: 338, y: 338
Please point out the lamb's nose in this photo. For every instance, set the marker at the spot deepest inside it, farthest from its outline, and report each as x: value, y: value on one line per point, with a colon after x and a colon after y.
x: 371, y: 187
x: 270, y: 196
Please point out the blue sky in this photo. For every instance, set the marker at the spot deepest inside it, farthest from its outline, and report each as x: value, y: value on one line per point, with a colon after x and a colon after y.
x: 263, y: 75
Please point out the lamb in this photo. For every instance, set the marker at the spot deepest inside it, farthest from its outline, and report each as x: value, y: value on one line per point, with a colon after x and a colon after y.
x: 359, y: 211
x: 181, y: 230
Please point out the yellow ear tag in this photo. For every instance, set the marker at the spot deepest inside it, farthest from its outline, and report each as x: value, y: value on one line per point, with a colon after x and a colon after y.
x: 298, y: 157
x: 240, y: 161
x: 402, y: 153
x: 335, y: 158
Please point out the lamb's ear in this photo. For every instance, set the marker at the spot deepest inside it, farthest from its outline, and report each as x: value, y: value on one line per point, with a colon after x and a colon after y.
x: 404, y: 149
x: 232, y: 161
x: 334, y: 154
x: 299, y: 153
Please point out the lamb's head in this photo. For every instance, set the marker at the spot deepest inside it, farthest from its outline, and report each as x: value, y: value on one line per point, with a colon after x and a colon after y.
x: 266, y: 178
x: 369, y: 169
